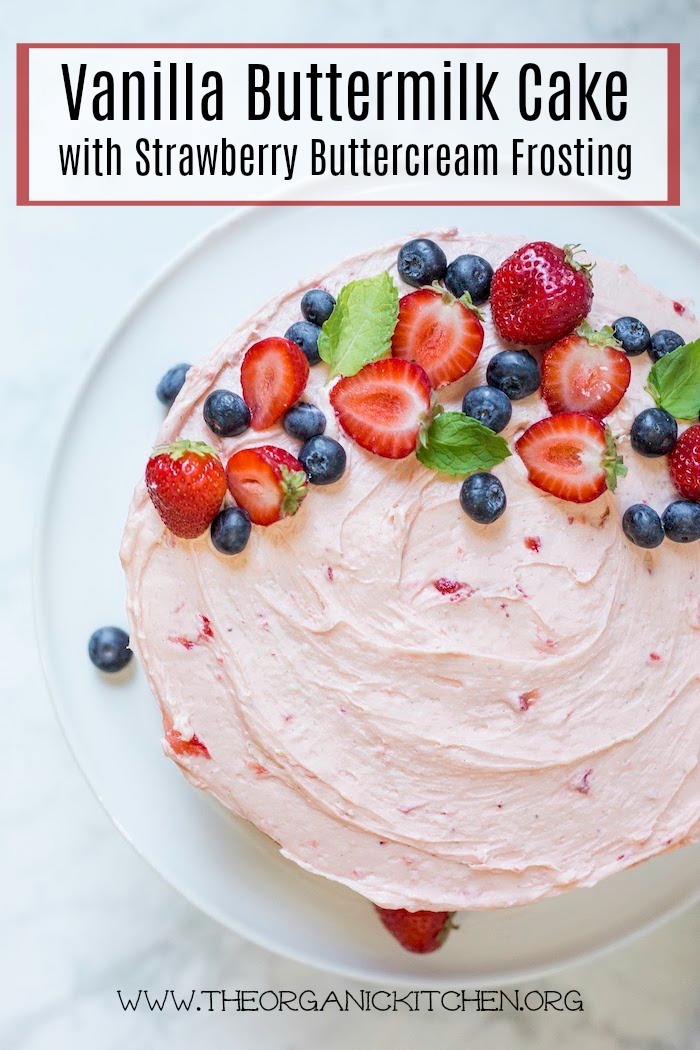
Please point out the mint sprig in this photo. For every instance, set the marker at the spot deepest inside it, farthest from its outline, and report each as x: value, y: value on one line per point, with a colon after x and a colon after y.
x: 361, y: 326
x: 674, y: 381
x: 457, y: 444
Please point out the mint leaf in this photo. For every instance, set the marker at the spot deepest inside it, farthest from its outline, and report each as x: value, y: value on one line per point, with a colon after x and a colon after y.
x: 457, y: 444
x: 361, y: 326
x: 674, y: 381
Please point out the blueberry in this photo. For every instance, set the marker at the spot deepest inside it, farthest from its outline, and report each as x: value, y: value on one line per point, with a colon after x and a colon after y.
x: 323, y: 459
x: 682, y: 521
x: 230, y: 530
x: 226, y: 413
x: 304, y: 421
x: 109, y: 650
x: 663, y: 342
x: 317, y: 305
x: 469, y: 273
x: 482, y: 498
x: 654, y: 432
x: 489, y: 405
x: 632, y: 335
x: 421, y: 262
x: 305, y: 335
x: 171, y: 384
x: 515, y: 372
x: 642, y: 526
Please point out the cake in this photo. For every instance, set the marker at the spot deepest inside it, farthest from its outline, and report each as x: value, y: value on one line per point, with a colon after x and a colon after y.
x: 439, y: 714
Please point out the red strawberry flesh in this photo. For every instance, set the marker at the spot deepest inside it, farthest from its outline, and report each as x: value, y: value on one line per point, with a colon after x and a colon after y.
x: 570, y: 455
x: 417, y: 931
x: 443, y: 335
x: 684, y: 463
x: 585, y: 372
x: 273, y: 376
x: 383, y: 406
x: 267, y: 482
x: 180, y: 746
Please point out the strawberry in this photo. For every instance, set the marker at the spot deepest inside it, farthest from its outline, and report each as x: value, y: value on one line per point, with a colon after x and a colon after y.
x: 187, y: 484
x: 684, y: 463
x: 585, y: 372
x: 180, y: 746
x: 417, y: 931
x: 273, y: 376
x: 442, y: 334
x: 540, y: 293
x: 572, y: 456
x: 267, y: 482
x: 383, y: 406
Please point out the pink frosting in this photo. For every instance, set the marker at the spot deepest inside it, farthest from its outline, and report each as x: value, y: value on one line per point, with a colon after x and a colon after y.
x: 437, y: 714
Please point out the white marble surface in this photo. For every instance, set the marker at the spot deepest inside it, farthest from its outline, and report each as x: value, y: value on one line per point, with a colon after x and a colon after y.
x: 80, y: 914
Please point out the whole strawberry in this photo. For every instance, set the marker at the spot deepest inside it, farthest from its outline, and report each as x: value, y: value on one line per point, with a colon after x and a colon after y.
x: 684, y: 463
x: 540, y: 293
x: 187, y: 484
x: 417, y: 931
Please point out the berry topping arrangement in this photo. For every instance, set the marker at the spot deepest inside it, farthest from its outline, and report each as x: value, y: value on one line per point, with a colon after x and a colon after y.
x: 386, y: 359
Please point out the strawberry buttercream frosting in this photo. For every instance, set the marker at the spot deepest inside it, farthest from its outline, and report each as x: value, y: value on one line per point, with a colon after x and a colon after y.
x: 438, y: 714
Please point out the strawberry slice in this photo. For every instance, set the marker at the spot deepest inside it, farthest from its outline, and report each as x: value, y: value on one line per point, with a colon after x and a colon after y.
x: 585, y: 372
x: 383, y: 406
x: 572, y: 456
x: 442, y: 334
x: 273, y: 376
x: 417, y: 931
x: 267, y: 482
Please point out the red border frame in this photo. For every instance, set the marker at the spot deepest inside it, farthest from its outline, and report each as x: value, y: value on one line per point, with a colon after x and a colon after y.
x: 673, y: 144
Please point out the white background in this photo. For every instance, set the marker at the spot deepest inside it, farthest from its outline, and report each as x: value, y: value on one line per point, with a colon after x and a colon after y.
x: 644, y: 127
x: 80, y: 914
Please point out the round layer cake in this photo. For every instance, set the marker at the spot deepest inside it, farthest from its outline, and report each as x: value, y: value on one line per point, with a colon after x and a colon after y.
x: 438, y: 714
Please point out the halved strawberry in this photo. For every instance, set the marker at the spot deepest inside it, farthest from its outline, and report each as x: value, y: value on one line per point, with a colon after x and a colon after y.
x: 267, y: 482
x: 572, y: 456
x: 585, y: 372
x: 273, y: 376
x: 684, y: 464
x: 440, y: 333
x: 383, y: 406
x: 417, y: 931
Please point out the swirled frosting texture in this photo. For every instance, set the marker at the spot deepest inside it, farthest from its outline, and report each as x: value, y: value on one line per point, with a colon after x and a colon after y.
x: 437, y: 714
